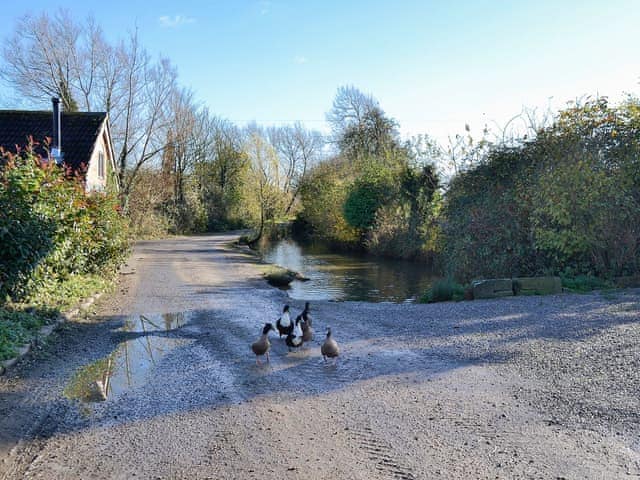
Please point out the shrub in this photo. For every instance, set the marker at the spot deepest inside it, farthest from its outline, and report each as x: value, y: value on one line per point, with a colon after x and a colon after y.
x: 50, y: 229
x: 443, y: 291
x: 585, y: 283
x: 570, y: 198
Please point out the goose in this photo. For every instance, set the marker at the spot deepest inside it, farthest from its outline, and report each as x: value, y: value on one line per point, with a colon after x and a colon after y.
x: 294, y: 338
x: 261, y: 346
x: 330, y: 347
x: 284, y: 323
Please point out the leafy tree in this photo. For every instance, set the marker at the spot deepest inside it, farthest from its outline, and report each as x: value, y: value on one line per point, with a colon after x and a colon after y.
x: 323, y: 196
x: 220, y: 177
x: 263, y: 186
x: 369, y: 192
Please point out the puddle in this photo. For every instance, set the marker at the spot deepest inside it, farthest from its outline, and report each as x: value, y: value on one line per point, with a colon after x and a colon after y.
x: 128, y: 365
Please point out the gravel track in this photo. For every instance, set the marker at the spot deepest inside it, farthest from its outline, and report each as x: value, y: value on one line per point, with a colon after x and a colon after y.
x: 524, y: 387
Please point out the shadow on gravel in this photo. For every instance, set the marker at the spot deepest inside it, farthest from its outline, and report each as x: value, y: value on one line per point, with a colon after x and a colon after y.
x: 211, y: 365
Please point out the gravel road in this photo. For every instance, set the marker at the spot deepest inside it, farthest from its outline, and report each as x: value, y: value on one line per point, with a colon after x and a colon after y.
x: 524, y: 387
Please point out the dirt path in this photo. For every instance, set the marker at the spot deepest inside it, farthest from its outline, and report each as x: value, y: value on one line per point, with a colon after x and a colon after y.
x: 531, y: 387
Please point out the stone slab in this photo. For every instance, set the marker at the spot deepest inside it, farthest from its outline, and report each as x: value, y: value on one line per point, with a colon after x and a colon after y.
x: 537, y: 285
x: 494, y: 288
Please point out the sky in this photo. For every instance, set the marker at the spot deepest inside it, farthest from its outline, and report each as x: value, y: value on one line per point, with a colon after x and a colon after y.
x: 434, y: 66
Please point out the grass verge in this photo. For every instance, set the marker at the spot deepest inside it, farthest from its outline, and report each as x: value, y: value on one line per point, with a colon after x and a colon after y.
x: 20, y: 322
x: 585, y: 283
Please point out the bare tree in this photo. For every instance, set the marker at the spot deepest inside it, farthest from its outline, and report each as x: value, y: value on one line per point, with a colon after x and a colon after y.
x: 350, y: 107
x: 85, y: 60
x: 40, y: 58
x: 141, y: 110
x: 55, y: 56
x: 188, y: 140
x: 298, y: 149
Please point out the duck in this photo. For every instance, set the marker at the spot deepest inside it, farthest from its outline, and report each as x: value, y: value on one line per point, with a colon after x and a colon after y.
x: 330, y: 347
x: 305, y: 323
x: 261, y: 346
x: 307, y: 332
x: 284, y: 323
x: 306, y: 316
x: 294, y: 338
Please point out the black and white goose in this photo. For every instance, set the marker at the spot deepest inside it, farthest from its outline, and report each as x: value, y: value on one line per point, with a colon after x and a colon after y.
x: 284, y: 323
x: 261, y: 346
x: 294, y: 338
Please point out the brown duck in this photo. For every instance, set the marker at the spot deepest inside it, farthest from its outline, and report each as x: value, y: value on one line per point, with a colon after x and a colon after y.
x: 330, y: 347
x: 307, y: 332
x: 261, y: 346
x: 306, y: 315
x: 305, y: 324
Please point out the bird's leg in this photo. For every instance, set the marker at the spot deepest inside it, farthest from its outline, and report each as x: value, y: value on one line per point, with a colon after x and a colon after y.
x: 257, y: 360
x: 268, y: 359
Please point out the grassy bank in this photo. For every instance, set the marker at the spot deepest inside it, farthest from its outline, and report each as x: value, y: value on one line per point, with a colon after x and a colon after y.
x: 20, y: 322
x: 60, y: 245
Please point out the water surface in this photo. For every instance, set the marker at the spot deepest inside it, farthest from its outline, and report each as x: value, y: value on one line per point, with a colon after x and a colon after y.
x: 348, y: 276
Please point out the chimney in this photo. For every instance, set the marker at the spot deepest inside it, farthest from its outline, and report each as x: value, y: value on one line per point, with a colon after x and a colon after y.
x: 56, y: 148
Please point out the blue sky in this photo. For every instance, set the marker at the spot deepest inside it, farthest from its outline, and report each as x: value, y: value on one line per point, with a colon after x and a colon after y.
x: 433, y: 65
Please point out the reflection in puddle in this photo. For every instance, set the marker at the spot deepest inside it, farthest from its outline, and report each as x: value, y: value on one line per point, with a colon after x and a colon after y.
x: 128, y: 365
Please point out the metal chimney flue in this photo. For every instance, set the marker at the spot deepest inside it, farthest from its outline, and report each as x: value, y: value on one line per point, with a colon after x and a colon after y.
x: 56, y: 148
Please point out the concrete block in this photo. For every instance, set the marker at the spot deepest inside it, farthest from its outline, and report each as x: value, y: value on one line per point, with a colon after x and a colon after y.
x: 494, y: 288
x: 537, y: 285
x: 630, y: 281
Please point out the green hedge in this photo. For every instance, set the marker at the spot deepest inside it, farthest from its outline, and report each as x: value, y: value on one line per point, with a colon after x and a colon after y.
x: 568, y: 199
x: 51, y: 230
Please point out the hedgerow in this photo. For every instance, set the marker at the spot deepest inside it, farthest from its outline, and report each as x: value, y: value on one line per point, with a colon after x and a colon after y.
x: 50, y: 229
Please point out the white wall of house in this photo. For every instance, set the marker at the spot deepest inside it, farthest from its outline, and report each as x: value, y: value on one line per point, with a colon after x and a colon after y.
x: 96, y: 180
x: 99, y: 164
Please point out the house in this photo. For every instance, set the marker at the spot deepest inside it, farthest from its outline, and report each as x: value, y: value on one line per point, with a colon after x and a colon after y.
x: 81, y: 142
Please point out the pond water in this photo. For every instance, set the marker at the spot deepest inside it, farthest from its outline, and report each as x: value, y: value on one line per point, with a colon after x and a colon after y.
x: 348, y: 276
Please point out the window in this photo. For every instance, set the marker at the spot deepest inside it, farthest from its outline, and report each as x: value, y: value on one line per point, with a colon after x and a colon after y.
x: 100, y: 164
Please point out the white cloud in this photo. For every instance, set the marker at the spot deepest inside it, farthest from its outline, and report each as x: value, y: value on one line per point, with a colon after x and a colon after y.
x: 176, y: 21
x: 300, y: 59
